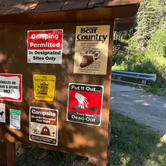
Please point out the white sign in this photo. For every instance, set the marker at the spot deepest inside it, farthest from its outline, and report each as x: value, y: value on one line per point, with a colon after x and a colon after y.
x: 45, y: 46
x: 11, y: 87
x: 2, y: 113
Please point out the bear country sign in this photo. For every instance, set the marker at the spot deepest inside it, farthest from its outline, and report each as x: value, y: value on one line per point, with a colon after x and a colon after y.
x: 91, y: 49
x: 45, y: 46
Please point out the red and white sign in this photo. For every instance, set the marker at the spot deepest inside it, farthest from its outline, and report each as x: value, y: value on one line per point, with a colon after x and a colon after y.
x: 11, y: 87
x: 45, y: 46
x: 85, y: 103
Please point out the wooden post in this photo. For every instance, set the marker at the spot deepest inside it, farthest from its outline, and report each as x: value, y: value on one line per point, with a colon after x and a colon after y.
x: 119, y: 77
x: 7, y: 153
x: 144, y: 82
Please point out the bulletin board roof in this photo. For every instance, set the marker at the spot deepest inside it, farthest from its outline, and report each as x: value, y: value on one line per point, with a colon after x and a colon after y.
x: 37, y: 11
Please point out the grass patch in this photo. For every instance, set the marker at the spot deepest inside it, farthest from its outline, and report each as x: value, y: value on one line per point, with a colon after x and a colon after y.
x: 134, y: 144
x: 33, y: 156
x: 155, y: 88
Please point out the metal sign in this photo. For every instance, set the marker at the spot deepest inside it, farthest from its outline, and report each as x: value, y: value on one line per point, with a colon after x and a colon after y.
x: 43, y: 125
x: 45, y: 46
x: 85, y: 103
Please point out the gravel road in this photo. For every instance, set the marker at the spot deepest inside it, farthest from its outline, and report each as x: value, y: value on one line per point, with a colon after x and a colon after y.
x: 146, y: 108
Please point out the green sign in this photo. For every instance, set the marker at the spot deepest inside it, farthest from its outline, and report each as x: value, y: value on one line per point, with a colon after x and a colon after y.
x: 15, y: 119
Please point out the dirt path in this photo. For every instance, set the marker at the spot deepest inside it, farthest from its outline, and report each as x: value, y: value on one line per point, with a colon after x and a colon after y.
x: 144, y: 107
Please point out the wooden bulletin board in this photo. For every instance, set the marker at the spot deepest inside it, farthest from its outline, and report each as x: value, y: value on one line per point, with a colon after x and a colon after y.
x: 65, y: 81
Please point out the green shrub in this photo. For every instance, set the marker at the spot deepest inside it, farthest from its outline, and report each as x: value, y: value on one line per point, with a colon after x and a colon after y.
x: 157, y: 45
x: 145, y: 64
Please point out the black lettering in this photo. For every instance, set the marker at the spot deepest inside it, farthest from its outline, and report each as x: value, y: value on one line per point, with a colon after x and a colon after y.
x: 6, y: 91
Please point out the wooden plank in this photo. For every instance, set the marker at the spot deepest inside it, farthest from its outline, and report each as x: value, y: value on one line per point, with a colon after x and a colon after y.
x: 18, y: 8
x: 74, y: 16
x: 8, y: 154
x: 123, y: 24
x: 16, y: 2
x: 95, y: 3
x: 56, y: 0
x: 109, y: 3
x: 73, y: 5
x: 49, y: 7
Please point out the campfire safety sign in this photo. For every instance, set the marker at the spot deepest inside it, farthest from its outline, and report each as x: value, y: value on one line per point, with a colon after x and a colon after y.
x: 85, y: 103
x: 43, y: 125
x: 45, y: 46
x: 11, y: 87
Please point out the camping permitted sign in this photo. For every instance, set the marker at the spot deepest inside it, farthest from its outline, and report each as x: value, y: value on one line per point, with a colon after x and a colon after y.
x: 85, y: 103
x: 43, y: 125
x: 45, y: 46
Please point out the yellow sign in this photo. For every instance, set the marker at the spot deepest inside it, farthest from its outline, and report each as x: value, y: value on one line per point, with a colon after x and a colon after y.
x: 44, y: 87
x: 91, y: 49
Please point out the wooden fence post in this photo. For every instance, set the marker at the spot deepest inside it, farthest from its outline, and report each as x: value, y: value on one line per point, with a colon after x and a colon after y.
x: 7, y: 153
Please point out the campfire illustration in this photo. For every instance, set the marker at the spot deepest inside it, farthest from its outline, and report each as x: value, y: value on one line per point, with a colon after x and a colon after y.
x: 83, y: 103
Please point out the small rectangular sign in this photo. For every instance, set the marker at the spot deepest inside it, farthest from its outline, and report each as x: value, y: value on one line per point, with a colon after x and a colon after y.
x: 15, y: 119
x: 11, y: 87
x: 85, y: 103
x: 45, y: 46
x: 2, y: 113
x: 91, y: 49
x: 44, y: 87
x: 43, y: 125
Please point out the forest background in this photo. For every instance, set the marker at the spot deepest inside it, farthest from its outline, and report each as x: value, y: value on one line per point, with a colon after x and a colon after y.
x: 143, y: 48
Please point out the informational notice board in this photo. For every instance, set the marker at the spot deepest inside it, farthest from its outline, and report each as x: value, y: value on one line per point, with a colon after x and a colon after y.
x: 55, y: 86
x: 91, y: 49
